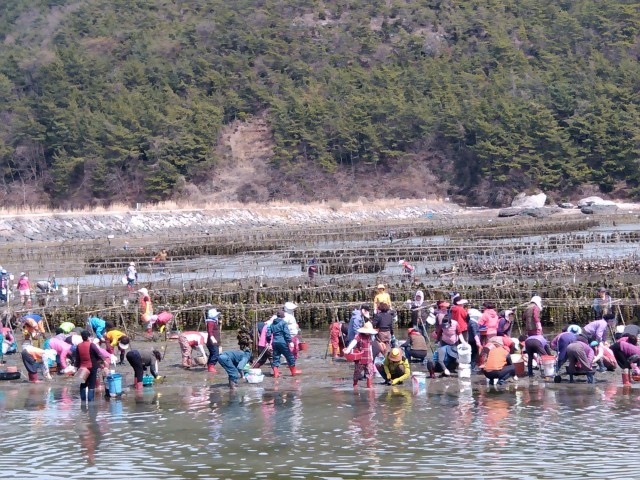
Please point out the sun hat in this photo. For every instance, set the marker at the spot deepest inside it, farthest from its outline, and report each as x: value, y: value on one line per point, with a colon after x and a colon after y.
x: 144, y: 291
x: 602, y: 290
x: 595, y: 343
x: 537, y: 300
x: 380, y: 286
x: 575, y: 329
x: 395, y: 355
x: 132, y: 264
x: 124, y: 343
x: 213, y: 314
x: 290, y: 306
x: 367, y: 329
x: 458, y: 300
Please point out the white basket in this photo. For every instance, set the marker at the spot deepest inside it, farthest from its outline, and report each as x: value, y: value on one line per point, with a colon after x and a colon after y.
x: 255, y: 378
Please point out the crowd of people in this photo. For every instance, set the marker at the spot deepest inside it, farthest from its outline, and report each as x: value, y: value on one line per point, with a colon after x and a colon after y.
x: 438, y: 331
x: 446, y: 337
x: 89, y: 351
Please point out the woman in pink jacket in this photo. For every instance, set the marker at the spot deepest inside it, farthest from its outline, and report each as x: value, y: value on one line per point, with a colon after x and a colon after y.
x: 489, y: 320
x: 63, y: 349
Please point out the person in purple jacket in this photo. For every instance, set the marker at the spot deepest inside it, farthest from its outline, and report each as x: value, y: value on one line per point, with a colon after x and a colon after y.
x: 580, y: 354
x: 627, y: 353
x: 560, y: 344
x: 534, y: 344
x: 597, y: 330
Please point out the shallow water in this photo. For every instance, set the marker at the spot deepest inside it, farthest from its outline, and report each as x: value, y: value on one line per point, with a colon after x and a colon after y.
x: 316, y: 426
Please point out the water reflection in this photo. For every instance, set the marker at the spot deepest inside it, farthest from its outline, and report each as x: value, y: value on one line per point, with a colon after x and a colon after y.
x: 203, y: 432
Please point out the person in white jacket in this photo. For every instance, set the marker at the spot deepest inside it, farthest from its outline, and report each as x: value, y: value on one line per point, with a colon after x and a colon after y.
x: 292, y: 324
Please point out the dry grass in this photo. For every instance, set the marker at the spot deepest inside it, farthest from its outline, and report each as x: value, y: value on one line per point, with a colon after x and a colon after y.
x: 275, y: 207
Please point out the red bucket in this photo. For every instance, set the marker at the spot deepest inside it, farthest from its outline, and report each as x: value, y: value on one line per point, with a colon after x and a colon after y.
x: 353, y: 356
x: 519, y: 366
x: 303, y: 347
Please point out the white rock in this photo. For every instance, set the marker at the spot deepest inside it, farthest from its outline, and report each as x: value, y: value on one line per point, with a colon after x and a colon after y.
x: 522, y: 200
x: 587, y: 202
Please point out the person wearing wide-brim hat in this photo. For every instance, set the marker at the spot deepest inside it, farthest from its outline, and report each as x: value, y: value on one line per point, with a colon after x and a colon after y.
x: 363, y: 340
x: 395, y: 368
x: 382, y: 296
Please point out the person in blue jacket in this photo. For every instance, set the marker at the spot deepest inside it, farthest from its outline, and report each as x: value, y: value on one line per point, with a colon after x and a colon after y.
x: 233, y: 362
x: 280, y: 338
x: 98, y: 326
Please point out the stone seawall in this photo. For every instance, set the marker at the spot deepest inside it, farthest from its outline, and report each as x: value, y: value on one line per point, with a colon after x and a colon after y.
x: 135, y: 224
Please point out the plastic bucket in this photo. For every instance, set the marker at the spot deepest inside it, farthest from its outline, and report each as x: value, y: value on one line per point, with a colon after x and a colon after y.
x: 464, y: 353
x: 548, y: 363
x: 303, y: 346
x: 464, y: 370
x: 353, y: 356
x: 147, y: 380
x: 419, y: 382
x: 516, y: 357
x: 114, y: 382
x: 253, y: 378
x: 519, y: 365
x: 200, y: 360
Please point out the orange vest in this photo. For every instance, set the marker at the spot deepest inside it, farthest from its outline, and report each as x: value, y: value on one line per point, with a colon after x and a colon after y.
x: 496, y: 360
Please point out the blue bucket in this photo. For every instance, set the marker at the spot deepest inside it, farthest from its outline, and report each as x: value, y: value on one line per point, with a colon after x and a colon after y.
x: 114, y: 382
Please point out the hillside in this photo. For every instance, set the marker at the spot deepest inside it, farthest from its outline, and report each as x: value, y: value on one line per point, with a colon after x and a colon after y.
x: 254, y: 100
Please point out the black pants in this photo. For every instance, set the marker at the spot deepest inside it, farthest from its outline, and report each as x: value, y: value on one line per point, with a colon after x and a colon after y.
x: 534, y: 346
x: 214, y: 353
x: 507, y: 371
x: 417, y: 354
x: 134, y: 359
x: 91, y: 380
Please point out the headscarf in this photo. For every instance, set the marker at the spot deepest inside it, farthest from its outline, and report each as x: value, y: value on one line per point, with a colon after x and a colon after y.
x: 418, y: 303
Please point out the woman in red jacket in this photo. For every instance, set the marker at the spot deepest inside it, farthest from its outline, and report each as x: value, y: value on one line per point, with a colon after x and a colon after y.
x: 459, y: 314
x: 88, y: 357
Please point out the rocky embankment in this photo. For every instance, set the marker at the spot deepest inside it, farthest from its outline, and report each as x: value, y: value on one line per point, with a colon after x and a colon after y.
x: 136, y: 224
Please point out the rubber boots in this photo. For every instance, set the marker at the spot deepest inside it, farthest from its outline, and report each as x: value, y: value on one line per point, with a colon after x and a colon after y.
x: 33, y: 377
x: 138, y: 385
x: 233, y: 386
x: 91, y: 395
x: 150, y: 332
x: 626, y: 381
x: 369, y: 382
x: 294, y: 371
x: 590, y: 378
x: 211, y: 369
x: 355, y: 384
x: 276, y: 372
x: 83, y: 394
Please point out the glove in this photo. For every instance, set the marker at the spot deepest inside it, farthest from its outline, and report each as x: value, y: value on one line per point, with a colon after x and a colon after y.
x: 347, y: 351
x: 290, y: 345
x: 48, y: 376
x: 114, y: 360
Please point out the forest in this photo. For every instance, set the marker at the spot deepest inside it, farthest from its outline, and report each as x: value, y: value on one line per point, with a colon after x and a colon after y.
x: 107, y: 101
